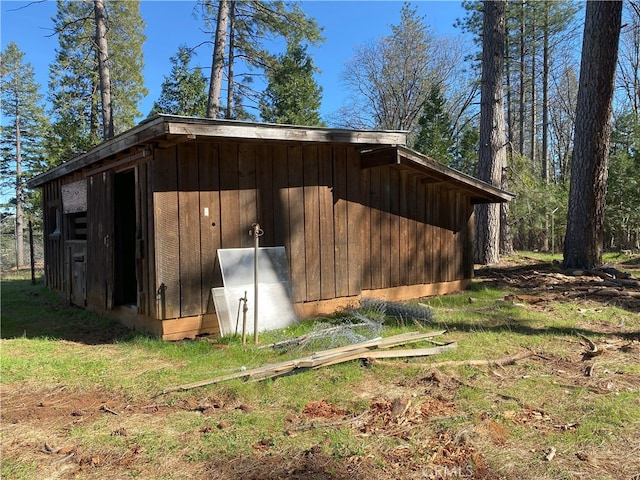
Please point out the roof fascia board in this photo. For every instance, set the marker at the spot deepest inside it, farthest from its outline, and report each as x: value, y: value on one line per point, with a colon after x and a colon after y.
x: 257, y: 131
x: 482, y: 192
x: 191, y: 128
x: 144, y: 132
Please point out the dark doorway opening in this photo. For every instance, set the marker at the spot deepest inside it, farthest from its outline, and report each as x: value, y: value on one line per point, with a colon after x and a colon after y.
x: 125, y: 284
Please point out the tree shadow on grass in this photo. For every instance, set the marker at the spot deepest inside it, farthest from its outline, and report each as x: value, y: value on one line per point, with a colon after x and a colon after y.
x: 33, y: 311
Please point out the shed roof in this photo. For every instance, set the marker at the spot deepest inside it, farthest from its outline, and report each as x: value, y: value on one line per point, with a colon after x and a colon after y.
x: 379, y: 148
x: 432, y: 171
x: 163, y: 129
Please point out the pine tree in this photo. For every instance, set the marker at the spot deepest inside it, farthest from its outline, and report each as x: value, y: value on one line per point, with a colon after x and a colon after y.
x: 588, y: 188
x: 241, y: 28
x: 74, y: 80
x: 292, y: 96
x: 22, y: 134
x: 184, y: 90
x: 492, y: 158
x: 435, y: 134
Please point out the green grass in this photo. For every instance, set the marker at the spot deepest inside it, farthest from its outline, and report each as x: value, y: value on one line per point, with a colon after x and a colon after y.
x: 47, y: 347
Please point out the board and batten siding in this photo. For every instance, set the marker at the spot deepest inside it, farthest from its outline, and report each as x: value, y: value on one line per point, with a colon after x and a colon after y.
x: 345, y: 229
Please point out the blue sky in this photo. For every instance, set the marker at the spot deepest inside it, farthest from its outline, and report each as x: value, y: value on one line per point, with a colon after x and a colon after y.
x: 171, y: 23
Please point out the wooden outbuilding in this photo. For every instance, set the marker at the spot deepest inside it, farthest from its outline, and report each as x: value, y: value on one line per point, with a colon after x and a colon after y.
x: 132, y: 227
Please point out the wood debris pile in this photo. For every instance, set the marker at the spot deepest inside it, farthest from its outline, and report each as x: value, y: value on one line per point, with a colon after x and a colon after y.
x: 372, y: 349
x: 547, y: 282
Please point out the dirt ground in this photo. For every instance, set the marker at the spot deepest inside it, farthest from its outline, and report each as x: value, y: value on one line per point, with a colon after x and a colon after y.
x: 406, y: 421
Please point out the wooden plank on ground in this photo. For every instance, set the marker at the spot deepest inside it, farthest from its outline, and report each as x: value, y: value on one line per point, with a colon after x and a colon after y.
x: 325, y: 358
x: 405, y: 353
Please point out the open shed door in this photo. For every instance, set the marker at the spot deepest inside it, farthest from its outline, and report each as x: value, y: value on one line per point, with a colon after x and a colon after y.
x: 100, y: 241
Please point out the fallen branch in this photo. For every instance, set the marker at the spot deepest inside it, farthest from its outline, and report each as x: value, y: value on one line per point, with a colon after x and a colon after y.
x: 338, y: 423
x: 467, y: 363
x: 104, y: 408
x: 326, y: 358
x: 593, y: 348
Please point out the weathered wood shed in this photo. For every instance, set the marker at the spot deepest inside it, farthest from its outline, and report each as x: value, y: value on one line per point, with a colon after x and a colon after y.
x: 133, y: 226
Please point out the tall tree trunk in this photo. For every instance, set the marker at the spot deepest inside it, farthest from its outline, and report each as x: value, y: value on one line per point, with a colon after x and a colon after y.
x: 544, y: 155
x: 103, y: 68
x: 507, y: 75
x: 534, y: 93
x: 232, y: 18
x: 492, y: 142
x: 545, y: 97
x: 19, y: 195
x: 588, y: 188
x: 522, y: 79
x: 217, y: 62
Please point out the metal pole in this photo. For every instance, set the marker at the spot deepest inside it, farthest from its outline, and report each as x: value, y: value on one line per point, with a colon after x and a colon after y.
x: 257, y: 233
x: 244, y: 318
x: 553, y: 231
x: 31, y: 254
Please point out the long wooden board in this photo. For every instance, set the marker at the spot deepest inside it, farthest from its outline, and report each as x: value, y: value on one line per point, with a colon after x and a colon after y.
x: 329, y: 357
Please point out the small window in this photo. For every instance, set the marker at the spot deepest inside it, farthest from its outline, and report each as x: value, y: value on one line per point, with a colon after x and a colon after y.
x: 77, y: 223
x: 54, y: 221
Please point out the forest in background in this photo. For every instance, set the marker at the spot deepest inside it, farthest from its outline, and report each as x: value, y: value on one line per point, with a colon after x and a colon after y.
x: 410, y: 79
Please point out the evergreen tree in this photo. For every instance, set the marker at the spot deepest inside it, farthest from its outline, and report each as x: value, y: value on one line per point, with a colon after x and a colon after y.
x: 184, y: 90
x: 74, y: 80
x: 21, y: 135
x: 622, y: 215
x: 435, y: 134
x: 588, y: 188
x: 292, y: 96
x: 241, y: 29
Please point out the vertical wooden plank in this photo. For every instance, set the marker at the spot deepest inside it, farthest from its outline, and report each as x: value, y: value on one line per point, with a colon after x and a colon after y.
x: 460, y: 225
x: 469, y: 237
x: 327, y: 242
x: 210, y: 233
x: 189, y: 227
x: 167, y: 238
x: 439, y: 205
x: 281, y: 213
x: 340, y: 221
x: 385, y: 228
x: 412, y: 229
x: 311, y: 221
x: 100, y: 241
x: 358, y: 226
x: 404, y: 231
x: 150, y: 244
x: 297, y: 224
x: 375, y: 240
x: 248, y: 199
x: 430, y: 240
x: 421, y: 233
x: 396, y: 254
x: 142, y: 236
x: 449, y: 244
x: 230, y: 226
x: 264, y: 193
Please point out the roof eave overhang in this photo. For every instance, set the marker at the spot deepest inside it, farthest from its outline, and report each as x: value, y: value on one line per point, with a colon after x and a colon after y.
x: 170, y: 129
x: 431, y: 171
